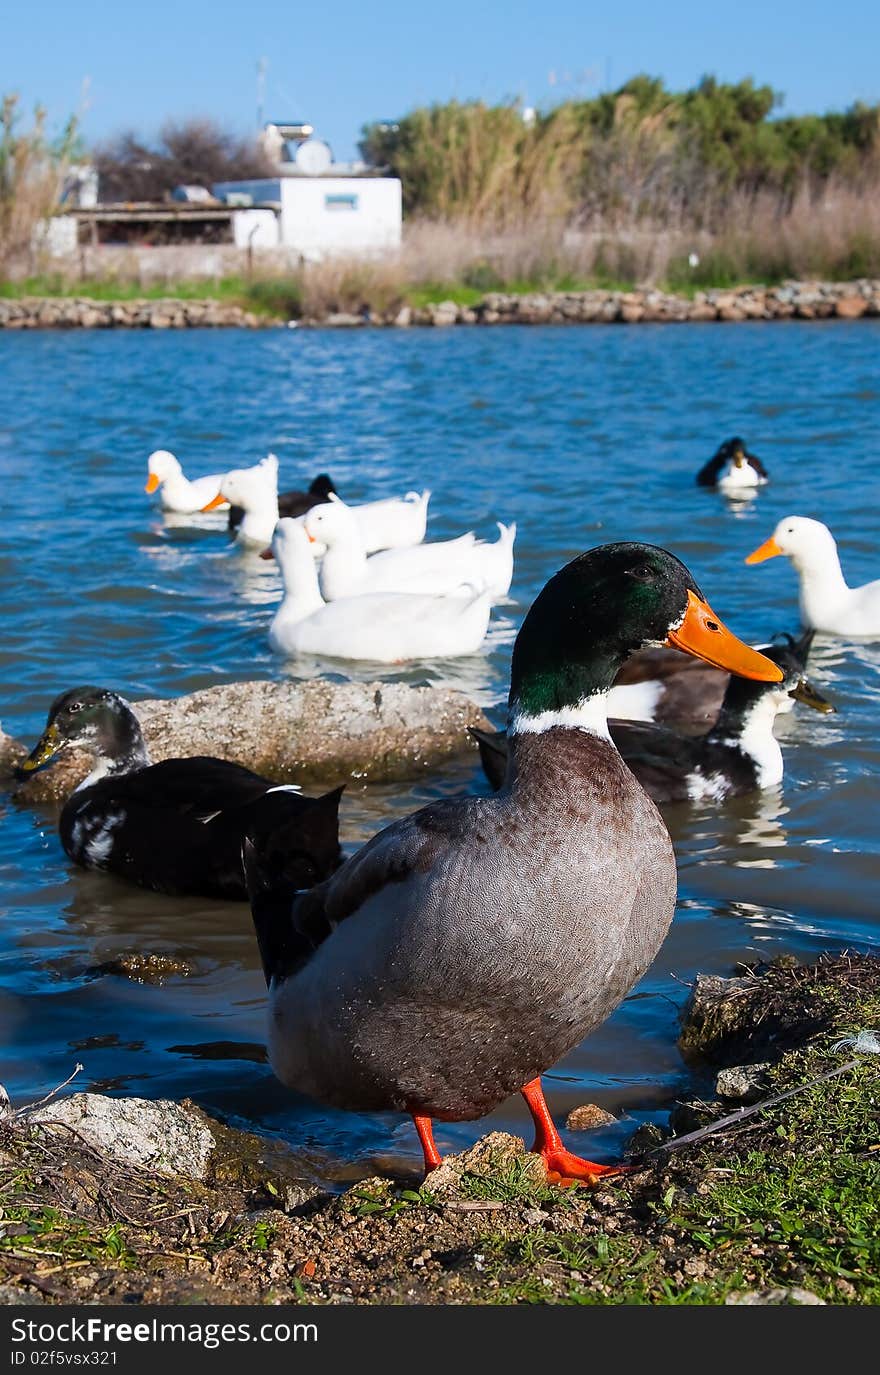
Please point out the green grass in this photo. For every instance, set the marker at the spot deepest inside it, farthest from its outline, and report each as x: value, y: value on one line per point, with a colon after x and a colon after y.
x: 281, y: 296
x: 45, y: 1233
x: 285, y: 298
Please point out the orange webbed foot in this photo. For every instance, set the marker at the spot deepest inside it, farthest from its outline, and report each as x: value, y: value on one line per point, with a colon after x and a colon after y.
x: 565, y: 1168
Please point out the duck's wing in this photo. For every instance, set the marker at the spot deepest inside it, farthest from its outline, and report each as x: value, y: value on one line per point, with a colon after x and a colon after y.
x: 295, y: 503
x: 290, y: 932
x: 708, y: 474
x: 656, y: 663
x: 661, y: 759
x: 199, y: 787
x: 755, y: 462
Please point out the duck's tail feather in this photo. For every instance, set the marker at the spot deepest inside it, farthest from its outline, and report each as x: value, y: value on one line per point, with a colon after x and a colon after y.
x: 281, y: 863
x: 507, y: 533
x: 283, y: 855
x: 798, y: 647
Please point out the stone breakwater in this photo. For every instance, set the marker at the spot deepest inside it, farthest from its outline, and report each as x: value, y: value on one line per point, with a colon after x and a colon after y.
x: 49, y: 312
x: 791, y: 301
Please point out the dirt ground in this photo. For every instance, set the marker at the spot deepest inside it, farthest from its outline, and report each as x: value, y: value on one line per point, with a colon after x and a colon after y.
x: 777, y: 1206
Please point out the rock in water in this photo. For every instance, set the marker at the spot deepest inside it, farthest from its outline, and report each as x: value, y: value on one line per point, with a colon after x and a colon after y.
x: 293, y: 732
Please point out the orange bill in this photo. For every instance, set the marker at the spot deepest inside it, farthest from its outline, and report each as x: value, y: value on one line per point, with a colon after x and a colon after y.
x: 152, y: 484
x: 266, y: 554
x: 218, y: 500
x: 768, y: 550
x: 703, y: 635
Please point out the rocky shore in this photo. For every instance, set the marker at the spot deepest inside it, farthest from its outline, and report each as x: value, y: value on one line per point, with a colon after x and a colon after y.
x: 291, y: 732
x: 80, y: 312
x: 791, y: 301
x: 129, y: 1201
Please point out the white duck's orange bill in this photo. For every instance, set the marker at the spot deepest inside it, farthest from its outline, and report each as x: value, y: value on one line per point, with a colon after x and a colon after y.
x: 705, y: 637
x: 768, y: 550
x: 216, y: 501
x: 152, y: 484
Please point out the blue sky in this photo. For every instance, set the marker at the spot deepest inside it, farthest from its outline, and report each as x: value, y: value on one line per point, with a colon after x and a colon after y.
x: 343, y: 62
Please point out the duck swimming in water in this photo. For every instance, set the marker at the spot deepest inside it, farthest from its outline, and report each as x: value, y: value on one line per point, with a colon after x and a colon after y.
x: 441, y: 567
x: 738, y: 755
x: 675, y: 690
x: 466, y: 948
x: 732, y: 469
x: 177, y: 493
x: 389, y: 627
x: 293, y: 503
x: 827, y: 602
x: 175, y: 827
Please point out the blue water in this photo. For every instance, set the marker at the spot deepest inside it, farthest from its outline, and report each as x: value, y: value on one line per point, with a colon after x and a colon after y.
x: 582, y: 435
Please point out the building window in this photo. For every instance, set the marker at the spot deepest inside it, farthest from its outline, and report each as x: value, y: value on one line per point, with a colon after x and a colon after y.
x: 341, y: 202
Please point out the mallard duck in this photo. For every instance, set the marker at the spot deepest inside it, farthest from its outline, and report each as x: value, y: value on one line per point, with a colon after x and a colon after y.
x: 441, y: 567
x: 177, y: 493
x: 465, y: 948
x: 827, y: 603
x: 740, y: 754
x: 293, y: 503
x: 389, y: 627
x: 675, y: 690
x: 733, y: 469
x: 175, y: 827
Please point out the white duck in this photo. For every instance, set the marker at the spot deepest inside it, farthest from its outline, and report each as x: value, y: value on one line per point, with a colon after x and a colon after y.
x: 388, y: 627
x: 392, y: 522
x: 442, y: 567
x: 182, y: 495
x: 827, y: 602
x: 255, y: 490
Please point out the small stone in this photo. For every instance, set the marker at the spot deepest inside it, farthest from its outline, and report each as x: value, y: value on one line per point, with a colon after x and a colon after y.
x: 689, y: 1117
x: 161, y: 1135
x: 646, y: 1138
x: 491, y: 1155
x: 796, y: 1297
x: 535, y: 1216
x: 588, y: 1116
x: 742, y: 1083
x: 850, y: 307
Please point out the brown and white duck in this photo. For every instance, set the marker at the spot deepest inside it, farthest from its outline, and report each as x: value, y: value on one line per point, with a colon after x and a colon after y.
x: 739, y: 754
x: 466, y: 948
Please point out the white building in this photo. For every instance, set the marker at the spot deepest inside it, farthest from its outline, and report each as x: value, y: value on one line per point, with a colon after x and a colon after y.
x: 317, y: 216
x: 320, y: 208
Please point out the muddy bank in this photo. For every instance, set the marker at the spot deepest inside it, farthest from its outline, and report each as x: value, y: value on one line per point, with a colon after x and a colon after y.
x: 293, y: 732
x: 777, y: 1207
x: 791, y: 301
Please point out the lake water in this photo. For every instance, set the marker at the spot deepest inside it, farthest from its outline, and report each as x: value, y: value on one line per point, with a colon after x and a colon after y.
x: 582, y: 435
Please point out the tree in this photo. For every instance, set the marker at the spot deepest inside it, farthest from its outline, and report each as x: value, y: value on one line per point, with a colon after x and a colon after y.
x: 194, y: 152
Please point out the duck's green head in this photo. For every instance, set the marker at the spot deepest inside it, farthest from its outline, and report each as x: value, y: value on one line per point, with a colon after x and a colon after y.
x: 597, y: 611
x: 89, y: 718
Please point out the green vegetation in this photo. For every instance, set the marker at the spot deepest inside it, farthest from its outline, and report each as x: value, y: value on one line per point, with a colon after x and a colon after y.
x: 32, y: 169
x: 641, y: 152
